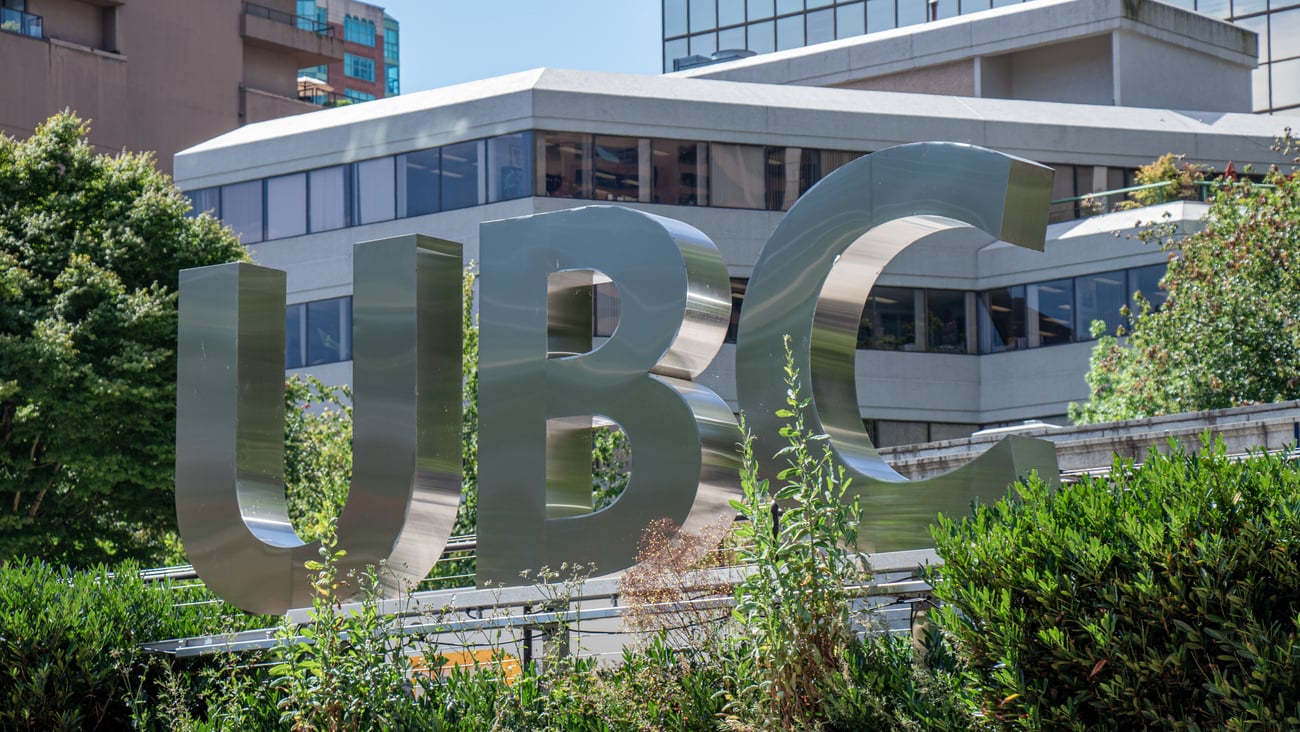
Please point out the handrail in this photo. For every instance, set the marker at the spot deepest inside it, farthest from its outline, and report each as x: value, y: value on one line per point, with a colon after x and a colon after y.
x: 1201, y: 184
x: 301, y: 22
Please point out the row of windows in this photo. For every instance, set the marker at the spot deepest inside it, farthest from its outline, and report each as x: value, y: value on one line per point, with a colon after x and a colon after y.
x: 359, y: 30
x: 318, y: 332
x: 957, y: 321
x: 357, y: 95
x: 558, y: 164
x: 392, y: 80
x: 391, y: 42
x: 359, y: 67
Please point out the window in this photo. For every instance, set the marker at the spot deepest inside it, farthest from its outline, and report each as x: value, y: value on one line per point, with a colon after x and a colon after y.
x: 736, y: 175
x: 241, y: 209
x: 1147, y: 281
x: 789, y: 32
x: 1055, y: 311
x: 462, y: 175
x: 509, y: 166
x: 674, y: 18
x: 945, y: 321
x: 821, y: 26
x: 759, y: 9
x: 419, y: 180
x: 391, y: 45
x: 329, y: 193
x: 679, y: 172
x: 1100, y: 297
x: 738, y: 286
x: 1002, y: 319
x: 616, y: 173
x: 205, y: 200
x: 318, y: 332
x: 850, y: 20
x: 392, y: 80
x: 358, y: 96
x: 703, y: 15
x: 376, y: 190
x: 358, y: 30
x: 761, y: 37
x: 782, y: 177
x: 319, y: 73
x: 889, y: 320
x: 731, y: 12
x: 286, y: 206
x: 359, y: 67
x: 295, y: 324
x: 564, y: 168
x: 880, y: 15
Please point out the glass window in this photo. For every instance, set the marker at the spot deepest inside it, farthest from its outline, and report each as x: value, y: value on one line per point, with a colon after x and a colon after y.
x: 319, y: 73
x: 205, y: 200
x: 736, y: 176
x: 789, y: 6
x: 329, y: 193
x: 940, y: 9
x: 945, y: 321
x: 889, y: 320
x: 241, y: 209
x: 510, y: 166
x: 392, y: 80
x: 911, y: 12
x: 731, y: 38
x: 462, y: 176
x: 329, y: 331
x: 617, y: 169
x: 817, y: 164
x: 1100, y: 297
x: 704, y: 44
x: 1259, y: 89
x: 391, y: 41
x: 759, y: 9
x: 359, y: 67
x: 1146, y: 280
x: 418, y: 183
x: 674, y: 50
x: 358, y: 30
x: 295, y: 324
x: 1055, y: 311
x: 789, y: 32
x: 1002, y: 319
x: 761, y: 37
x: 1286, y: 82
x: 357, y: 95
x: 704, y: 15
x: 782, y: 177
x: 1246, y: 7
x: 286, y: 206
x: 1259, y: 24
x: 376, y: 190
x: 818, y: 3
x: 880, y: 15
x: 674, y: 18
x: 738, y: 285
x: 680, y: 172
x: 850, y: 20
x: 974, y: 6
x: 564, y: 164
x: 731, y: 12
x: 821, y: 26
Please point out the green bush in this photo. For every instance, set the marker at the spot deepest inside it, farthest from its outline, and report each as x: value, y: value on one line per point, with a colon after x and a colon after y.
x: 1163, y: 597
x: 69, y: 644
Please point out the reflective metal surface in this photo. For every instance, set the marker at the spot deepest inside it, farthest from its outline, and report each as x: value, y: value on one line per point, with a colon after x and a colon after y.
x: 811, y: 282
x: 230, y: 502
x: 675, y: 304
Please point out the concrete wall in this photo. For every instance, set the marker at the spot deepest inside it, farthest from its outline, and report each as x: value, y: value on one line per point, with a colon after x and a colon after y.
x: 957, y: 79
x: 1151, y: 70
x: 1077, y: 71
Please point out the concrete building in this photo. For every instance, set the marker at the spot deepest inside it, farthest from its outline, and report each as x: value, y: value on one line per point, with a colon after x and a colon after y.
x: 962, y: 332
x: 697, y: 32
x: 370, y: 67
x: 155, y: 75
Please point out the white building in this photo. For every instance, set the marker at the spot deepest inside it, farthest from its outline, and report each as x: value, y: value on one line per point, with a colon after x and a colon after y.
x: 950, y: 344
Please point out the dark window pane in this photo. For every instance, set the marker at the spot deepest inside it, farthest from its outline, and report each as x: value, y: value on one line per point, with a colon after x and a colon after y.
x: 564, y: 164
x: 782, y: 177
x: 945, y: 314
x: 286, y: 206
x: 294, y: 324
x: 889, y: 320
x: 821, y: 26
x: 418, y: 181
x: 674, y: 18
x: 850, y: 20
x: 617, y: 169
x: 1055, y: 312
x: 1002, y: 319
x: 761, y: 37
x: 789, y: 32
x: 329, y: 198
x: 736, y: 175
x: 731, y: 12
x: 703, y: 15
x: 509, y: 166
x: 738, y: 285
x: 1147, y: 281
x: 241, y: 209
x: 1100, y: 297
x: 680, y: 172
x: 880, y: 15
x: 205, y: 200
x: 329, y: 331
x: 759, y: 9
x: 462, y: 175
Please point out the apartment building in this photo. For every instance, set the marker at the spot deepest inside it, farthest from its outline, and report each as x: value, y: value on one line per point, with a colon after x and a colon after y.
x: 370, y: 67
x: 155, y: 75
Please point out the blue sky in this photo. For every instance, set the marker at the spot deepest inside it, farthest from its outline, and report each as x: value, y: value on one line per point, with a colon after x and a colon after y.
x: 451, y: 41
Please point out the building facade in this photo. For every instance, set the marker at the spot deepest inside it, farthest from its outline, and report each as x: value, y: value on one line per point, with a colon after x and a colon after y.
x: 697, y: 31
x: 155, y: 75
x: 370, y: 67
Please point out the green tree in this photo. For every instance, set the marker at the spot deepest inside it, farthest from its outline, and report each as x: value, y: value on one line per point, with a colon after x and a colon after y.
x: 90, y: 250
x: 1229, y: 332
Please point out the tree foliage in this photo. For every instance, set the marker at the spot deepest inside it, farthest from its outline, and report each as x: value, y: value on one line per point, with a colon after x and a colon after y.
x: 1229, y: 332
x: 90, y: 250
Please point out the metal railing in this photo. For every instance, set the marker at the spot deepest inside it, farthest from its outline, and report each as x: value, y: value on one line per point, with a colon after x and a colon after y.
x: 1099, y: 202
x: 298, y: 21
x: 26, y: 24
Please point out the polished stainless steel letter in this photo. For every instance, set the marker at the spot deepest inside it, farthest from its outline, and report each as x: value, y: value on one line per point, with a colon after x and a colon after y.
x: 674, y: 307
x: 406, y: 466
x: 811, y: 282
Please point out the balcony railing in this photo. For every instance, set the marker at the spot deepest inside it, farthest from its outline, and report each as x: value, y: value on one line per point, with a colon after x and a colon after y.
x: 298, y: 21
x: 1099, y: 202
x: 16, y: 21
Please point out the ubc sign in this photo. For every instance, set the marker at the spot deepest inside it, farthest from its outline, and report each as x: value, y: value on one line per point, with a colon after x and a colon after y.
x: 541, y: 384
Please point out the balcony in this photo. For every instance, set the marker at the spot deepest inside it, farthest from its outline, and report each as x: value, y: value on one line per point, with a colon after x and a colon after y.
x: 24, y: 24
x: 310, y: 43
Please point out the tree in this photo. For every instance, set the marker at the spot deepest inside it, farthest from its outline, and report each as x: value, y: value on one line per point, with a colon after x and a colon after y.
x: 1229, y: 332
x: 90, y: 250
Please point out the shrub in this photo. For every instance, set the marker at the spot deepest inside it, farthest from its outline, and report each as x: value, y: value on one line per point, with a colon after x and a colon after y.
x: 1161, y: 597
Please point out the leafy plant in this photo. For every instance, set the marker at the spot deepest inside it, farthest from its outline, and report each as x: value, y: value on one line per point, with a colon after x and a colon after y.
x: 1173, y: 179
